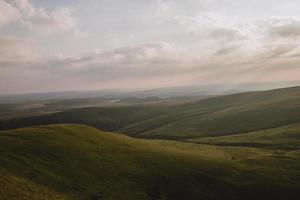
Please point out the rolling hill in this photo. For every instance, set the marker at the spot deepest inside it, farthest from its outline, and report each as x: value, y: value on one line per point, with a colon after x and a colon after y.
x: 84, y: 163
x: 286, y: 137
x: 218, y: 116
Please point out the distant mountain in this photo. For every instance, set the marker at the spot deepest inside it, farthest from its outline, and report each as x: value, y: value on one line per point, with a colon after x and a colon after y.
x: 169, y: 92
x: 225, y: 115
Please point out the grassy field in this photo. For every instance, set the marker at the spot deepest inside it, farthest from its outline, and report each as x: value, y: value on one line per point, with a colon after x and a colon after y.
x: 286, y: 137
x: 218, y: 116
x: 84, y: 163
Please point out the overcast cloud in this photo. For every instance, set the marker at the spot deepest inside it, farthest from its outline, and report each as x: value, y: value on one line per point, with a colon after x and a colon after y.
x: 89, y: 44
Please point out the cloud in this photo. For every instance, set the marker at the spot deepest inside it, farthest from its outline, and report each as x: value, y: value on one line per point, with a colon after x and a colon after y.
x: 7, y: 13
x: 229, y: 28
x: 38, y: 19
x: 144, y: 57
x: 25, y: 7
x: 78, y: 34
x: 146, y: 65
x: 286, y: 27
x: 164, y: 8
x: 168, y: 8
x: 191, y: 47
x: 212, y: 26
x: 159, y: 60
x: 16, y: 52
x: 278, y: 50
x: 58, y: 20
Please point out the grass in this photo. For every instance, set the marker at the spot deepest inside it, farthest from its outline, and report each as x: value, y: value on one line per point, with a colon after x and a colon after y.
x: 15, y: 188
x: 218, y: 116
x: 286, y: 137
x: 85, y: 163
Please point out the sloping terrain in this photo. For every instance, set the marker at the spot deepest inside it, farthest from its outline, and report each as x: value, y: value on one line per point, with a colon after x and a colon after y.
x: 226, y: 115
x: 85, y: 163
x: 286, y: 137
x: 15, y: 188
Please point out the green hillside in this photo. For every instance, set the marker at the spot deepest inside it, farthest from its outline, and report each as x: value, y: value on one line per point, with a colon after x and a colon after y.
x: 287, y: 137
x: 85, y: 163
x: 226, y: 115
x: 15, y: 188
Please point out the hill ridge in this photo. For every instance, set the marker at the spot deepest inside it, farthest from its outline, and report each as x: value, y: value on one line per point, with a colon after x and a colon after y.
x: 225, y: 115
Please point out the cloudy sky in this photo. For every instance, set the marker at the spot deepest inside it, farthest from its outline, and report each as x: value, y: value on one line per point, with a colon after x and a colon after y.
x: 59, y: 45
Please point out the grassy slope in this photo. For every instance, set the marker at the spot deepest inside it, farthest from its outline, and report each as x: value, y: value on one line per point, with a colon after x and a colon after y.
x: 217, y: 116
x: 286, y: 137
x: 225, y: 115
x: 86, y: 163
x: 15, y: 188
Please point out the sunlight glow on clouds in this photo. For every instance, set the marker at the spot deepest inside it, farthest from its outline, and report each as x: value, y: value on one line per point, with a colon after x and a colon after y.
x: 159, y: 43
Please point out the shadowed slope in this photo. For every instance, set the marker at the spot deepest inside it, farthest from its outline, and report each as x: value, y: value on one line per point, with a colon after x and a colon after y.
x: 85, y: 163
x: 14, y: 188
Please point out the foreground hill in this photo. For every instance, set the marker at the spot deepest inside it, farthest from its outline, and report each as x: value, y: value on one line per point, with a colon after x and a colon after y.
x: 85, y: 163
x: 226, y: 115
x: 15, y: 188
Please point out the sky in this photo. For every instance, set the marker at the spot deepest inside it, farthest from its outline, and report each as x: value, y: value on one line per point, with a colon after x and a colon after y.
x: 61, y: 45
